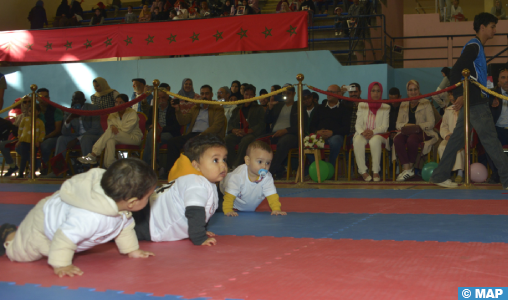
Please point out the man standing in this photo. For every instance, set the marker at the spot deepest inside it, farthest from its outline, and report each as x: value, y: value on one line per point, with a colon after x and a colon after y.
x: 52, y: 118
x: 246, y: 124
x: 201, y: 119
x: 473, y: 58
x: 166, y: 118
x: 309, y: 104
x: 139, y: 86
x: 332, y: 121
x: 3, y: 87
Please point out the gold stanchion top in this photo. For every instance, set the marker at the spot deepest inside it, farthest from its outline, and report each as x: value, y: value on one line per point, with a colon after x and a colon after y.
x: 33, y: 87
x: 300, y: 77
x: 466, y: 73
x: 156, y: 83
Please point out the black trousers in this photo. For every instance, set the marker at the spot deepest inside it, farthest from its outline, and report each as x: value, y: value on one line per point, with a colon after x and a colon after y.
x: 175, y: 146
x: 142, y: 227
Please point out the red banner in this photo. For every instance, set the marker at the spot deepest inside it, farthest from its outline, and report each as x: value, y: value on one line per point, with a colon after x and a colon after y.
x: 226, y: 34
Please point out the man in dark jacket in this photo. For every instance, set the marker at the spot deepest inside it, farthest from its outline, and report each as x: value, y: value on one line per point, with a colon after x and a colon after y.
x: 245, y: 125
x: 167, y: 121
x: 283, y: 120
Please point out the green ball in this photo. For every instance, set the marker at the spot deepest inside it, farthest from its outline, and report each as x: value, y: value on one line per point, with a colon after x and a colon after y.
x: 331, y: 170
x: 432, y: 163
x: 323, y: 168
x: 427, y: 170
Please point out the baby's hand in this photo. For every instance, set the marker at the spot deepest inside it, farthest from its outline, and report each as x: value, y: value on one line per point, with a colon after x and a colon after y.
x: 209, y: 233
x: 209, y: 242
x: 140, y: 254
x: 232, y: 214
x: 278, y: 212
x: 70, y: 271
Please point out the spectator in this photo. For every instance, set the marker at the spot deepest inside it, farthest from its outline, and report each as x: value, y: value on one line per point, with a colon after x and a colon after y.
x: 104, y: 96
x: 201, y: 119
x: 130, y: 17
x: 242, y: 88
x: 308, y: 5
x: 456, y: 12
x: 283, y: 120
x: 62, y: 14
x: 420, y: 113
x: 116, y: 4
x: 23, y: 146
x: 223, y: 95
x: 76, y: 129
x: 310, y: 107
x: 393, y: 94
x: 246, y: 124
x: 332, y: 121
x: 447, y: 126
x: 172, y: 14
x: 499, y: 110
x: 295, y: 5
x: 318, y: 4
x: 187, y: 90
x: 157, y: 16
x: 155, y: 4
x: 355, y: 92
x: 226, y: 8
x: 6, y: 151
x: 498, y: 10
x: 442, y: 99
x: 169, y: 127
x: 183, y: 11
x: 235, y: 87
x: 123, y: 128
x: 37, y: 16
x: 145, y: 15
x: 3, y: 87
x: 248, y: 10
x: 204, y: 9
x: 340, y: 23
x: 285, y: 8
x: 76, y: 10
x: 371, y: 126
x: 263, y: 101
x: 274, y: 88
x: 254, y: 4
x: 140, y: 87
x: 52, y: 118
x: 315, y: 98
x: 97, y: 18
x: 279, y: 5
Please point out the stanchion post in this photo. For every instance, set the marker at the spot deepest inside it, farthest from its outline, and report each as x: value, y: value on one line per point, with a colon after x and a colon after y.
x: 33, y: 87
x: 155, y: 115
x: 300, y: 78
x: 467, y: 165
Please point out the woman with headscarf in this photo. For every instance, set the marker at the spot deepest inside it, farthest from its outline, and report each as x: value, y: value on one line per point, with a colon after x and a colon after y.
x: 371, y: 128
x: 187, y: 90
x: 235, y: 86
x: 498, y: 10
x: 416, y: 122
x: 37, y: 16
x: 442, y: 99
x: 104, y: 96
x: 63, y: 13
x: 145, y: 15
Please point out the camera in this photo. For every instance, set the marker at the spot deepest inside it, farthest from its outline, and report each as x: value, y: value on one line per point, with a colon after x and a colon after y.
x: 350, y: 88
x: 175, y: 101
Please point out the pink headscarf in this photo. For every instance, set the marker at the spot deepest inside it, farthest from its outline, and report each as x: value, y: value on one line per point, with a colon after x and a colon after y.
x: 373, y: 106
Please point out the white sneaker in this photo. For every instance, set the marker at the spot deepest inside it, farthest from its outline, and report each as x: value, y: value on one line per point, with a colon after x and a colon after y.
x: 405, y: 175
x: 89, y: 159
x: 447, y: 184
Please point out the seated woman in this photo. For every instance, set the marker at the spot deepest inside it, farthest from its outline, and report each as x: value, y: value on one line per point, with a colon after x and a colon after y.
x: 498, y: 10
x: 371, y: 125
x: 145, y: 15
x: 446, y: 130
x: 123, y: 128
x: 416, y: 112
x: 104, y: 96
x: 97, y: 18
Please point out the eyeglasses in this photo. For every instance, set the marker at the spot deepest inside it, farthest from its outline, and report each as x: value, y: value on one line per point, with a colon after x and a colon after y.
x: 26, y: 102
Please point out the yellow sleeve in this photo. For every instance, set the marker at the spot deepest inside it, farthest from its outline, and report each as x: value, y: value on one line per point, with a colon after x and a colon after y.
x: 229, y: 200
x: 273, y: 201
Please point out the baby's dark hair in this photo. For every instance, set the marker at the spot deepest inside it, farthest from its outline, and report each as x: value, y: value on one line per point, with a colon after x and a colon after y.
x: 128, y: 178
x: 195, y: 147
x: 258, y: 145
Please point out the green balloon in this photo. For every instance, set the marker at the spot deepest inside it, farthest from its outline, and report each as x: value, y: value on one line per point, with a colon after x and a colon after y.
x: 427, y: 170
x: 432, y: 163
x: 323, y: 168
x: 331, y: 170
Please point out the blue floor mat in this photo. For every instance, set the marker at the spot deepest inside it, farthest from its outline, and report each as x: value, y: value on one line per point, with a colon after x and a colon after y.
x: 13, y: 213
x: 404, y: 194
x: 29, y: 188
x: 398, y: 227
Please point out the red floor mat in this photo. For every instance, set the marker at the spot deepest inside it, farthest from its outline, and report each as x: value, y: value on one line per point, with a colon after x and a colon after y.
x: 391, y: 206
x: 283, y: 268
x: 22, y: 197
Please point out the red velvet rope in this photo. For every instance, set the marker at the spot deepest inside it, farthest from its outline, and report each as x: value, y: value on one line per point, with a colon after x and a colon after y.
x: 94, y: 112
x: 452, y: 87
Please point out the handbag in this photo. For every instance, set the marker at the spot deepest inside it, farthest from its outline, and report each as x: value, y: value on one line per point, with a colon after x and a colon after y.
x: 411, y: 129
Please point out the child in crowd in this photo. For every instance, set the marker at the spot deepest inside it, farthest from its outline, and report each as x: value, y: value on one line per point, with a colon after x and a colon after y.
x: 183, y: 207
x: 24, y: 144
x: 90, y: 209
x: 338, y: 21
x: 250, y: 183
